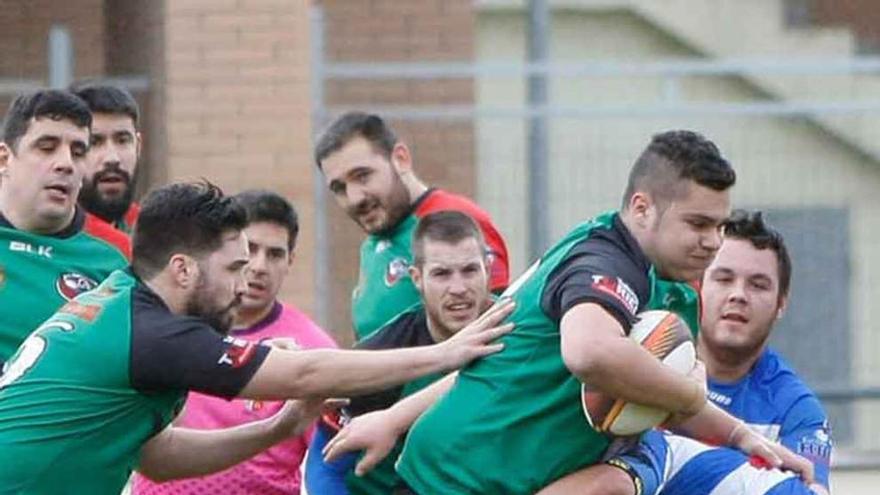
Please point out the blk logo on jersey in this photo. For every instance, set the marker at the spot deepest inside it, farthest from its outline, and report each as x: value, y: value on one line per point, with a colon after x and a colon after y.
x: 72, y: 284
x: 397, y: 269
x: 618, y: 289
x: 26, y: 247
x: 238, y: 352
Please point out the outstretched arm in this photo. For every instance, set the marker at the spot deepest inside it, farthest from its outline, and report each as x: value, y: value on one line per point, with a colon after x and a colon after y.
x: 178, y: 452
x: 334, y: 373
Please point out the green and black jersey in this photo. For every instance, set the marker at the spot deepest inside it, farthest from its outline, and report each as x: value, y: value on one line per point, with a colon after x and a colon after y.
x: 384, y: 288
x: 513, y: 422
x: 39, y: 273
x: 409, y: 329
x: 100, y: 377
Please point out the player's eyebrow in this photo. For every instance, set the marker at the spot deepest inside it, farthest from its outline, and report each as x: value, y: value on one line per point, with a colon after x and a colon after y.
x: 702, y: 217
x: 123, y: 133
x: 46, y: 139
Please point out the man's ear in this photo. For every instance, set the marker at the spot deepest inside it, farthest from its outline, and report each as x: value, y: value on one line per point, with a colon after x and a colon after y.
x: 415, y: 273
x: 642, y: 209
x: 401, y: 159
x: 184, y: 270
x: 783, y: 306
x: 5, y: 156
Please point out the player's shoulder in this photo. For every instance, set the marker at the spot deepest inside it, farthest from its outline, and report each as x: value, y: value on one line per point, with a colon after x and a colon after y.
x: 131, y: 216
x: 442, y: 200
x: 408, y: 329
x: 302, y: 327
x: 780, y: 381
x: 607, y: 243
x: 107, y: 234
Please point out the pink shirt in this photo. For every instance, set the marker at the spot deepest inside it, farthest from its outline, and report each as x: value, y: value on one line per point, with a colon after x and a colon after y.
x: 274, y: 471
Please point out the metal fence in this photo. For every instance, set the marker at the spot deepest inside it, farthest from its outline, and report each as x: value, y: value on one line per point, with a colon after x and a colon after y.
x: 549, y: 160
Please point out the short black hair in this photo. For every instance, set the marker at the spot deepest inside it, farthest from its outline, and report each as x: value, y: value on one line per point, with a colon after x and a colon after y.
x: 450, y: 227
x: 52, y: 103
x: 188, y: 218
x: 676, y: 155
x: 102, y: 97
x: 750, y: 226
x: 351, y: 125
x: 267, y: 206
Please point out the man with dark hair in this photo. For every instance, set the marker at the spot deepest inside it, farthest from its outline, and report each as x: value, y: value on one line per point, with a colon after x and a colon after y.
x: 90, y: 393
x: 744, y: 291
x: 574, y: 308
x: 370, y: 174
x: 271, y: 235
x: 450, y: 271
x: 50, y: 250
x: 109, y: 181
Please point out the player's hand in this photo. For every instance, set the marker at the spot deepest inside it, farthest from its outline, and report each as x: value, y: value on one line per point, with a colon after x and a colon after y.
x: 477, y: 338
x: 374, y: 433
x: 769, y: 453
x: 297, y: 415
x: 698, y: 376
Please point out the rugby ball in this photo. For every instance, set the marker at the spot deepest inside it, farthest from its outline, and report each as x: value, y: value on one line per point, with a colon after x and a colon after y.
x: 665, y: 335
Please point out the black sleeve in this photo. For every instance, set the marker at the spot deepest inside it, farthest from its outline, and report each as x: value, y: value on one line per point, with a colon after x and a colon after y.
x: 184, y: 353
x: 597, y: 271
x: 410, y: 329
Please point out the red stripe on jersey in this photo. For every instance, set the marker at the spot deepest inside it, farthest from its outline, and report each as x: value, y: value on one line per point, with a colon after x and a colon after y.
x: 96, y: 227
x: 499, y: 269
x: 131, y: 215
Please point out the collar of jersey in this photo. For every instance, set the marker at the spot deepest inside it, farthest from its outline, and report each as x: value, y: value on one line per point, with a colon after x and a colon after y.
x: 73, y: 228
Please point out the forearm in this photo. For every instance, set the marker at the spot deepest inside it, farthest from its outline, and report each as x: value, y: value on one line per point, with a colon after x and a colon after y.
x: 184, y: 453
x: 711, y: 425
x: 406, y: 411
x: 340, y: 373
x: 595, y: 349
x: 625, y: 371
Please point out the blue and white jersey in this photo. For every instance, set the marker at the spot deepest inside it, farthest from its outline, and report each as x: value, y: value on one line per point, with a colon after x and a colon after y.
x: 669, y: 464
x: 772, y: 400
x: 775, y: 402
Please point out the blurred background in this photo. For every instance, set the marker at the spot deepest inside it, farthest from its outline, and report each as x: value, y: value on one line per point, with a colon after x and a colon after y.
x: 537, y: 110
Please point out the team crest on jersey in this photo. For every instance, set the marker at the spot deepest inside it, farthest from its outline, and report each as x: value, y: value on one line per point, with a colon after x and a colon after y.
x: 382, y: 245
x: 818, y: 445
x: 253, y: 406
x: 238, y: 352
x: 397, y: 269
x: 2, y: 276
x: 72, y: 284
x: 618, y: 289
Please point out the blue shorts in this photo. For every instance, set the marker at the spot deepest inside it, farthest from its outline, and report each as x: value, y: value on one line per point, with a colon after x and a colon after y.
x: 321, y: 477
x: 673, y: 465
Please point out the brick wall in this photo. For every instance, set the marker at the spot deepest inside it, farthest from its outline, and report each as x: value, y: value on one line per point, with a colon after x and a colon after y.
x: 24, y: 33
x: 862, y: 16
x: 236, y: 106
x: 400, y: 31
